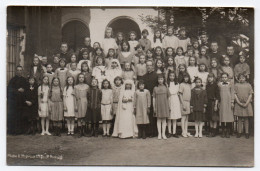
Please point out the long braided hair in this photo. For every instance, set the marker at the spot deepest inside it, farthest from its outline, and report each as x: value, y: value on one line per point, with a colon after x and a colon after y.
x: 50, y: 95
x: 42, y: 84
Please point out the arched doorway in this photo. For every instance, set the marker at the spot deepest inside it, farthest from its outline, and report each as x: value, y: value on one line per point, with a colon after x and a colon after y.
x: 125, y: 25
x: 73, y: 33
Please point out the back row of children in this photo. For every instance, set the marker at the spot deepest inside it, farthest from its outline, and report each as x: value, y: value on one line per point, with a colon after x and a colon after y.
x: 175, y: 61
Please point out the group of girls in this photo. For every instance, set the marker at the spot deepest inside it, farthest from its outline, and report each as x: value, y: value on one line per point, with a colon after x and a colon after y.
x: 106, y: 83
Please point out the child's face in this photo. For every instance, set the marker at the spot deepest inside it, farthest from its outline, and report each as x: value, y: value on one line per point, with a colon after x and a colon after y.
x: 111, y: 53
x: 64, y: 48
x: 214, y: 47
x: 230, y: 50
x: 242, y: 59
x: 186, y: 79
x: 160, y: 81
x: 170, y: 31
x: 85, y: 67
x: 70, y: 80
x: 226, y: 61
x: 45, y: 80
x: 73, y: 66
x: 62, y: 64
x: 98, y: 52
x: 35, y: 61
x: 81, y: 78
x: 73, y: 58
x: 109, y: 33
x: 190, y: 52
x: 118, y: 82
x: 203, y: 51
x: 204, y: 38
x: 242, y: 79
x: 120, y: 37
x: 196, y: 45
x: 198, y: 83
x: 114, y: 65
x: 179, y: 52
x: 149, y: 54
x: 141, y: 86
x: 158, y: 34
x: 183, y: 33
x: 202, y: 68
x: 99, y: 61
x: 170, y: 61
x: 56, y: 59
x: 145, y: 35
x: 87, y: 41
x: 192, y: 61
x: 142, y: 59
x: 85, y: 55
x: 132, y: 36
x: 44, y: 60
x: 56, y: 82
x: 139, y: 50
x: 96, y: 45
x: 159, y: 64
x: 210, y: 79
x: 49, y: 68
x: 31, y: 81
x: 182, y: 69
x: 94, y: 83
x: 224, y: 78
x: 105, y: 84
x: 128, y: 86
x: 158, y: 51
x: 169, y: 52
x: 214, y: 64
x: 127, y: 66
x: 125, y: 47
x: 171, y: 77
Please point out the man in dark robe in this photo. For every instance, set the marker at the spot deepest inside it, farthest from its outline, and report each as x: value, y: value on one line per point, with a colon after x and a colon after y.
x: 15, y: 102
x: 151, y: 79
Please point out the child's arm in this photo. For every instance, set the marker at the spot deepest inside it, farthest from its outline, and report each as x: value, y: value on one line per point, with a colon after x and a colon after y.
x: 75, y: 101
x: 64, y: 100
x: 232, y: 92
x: 148, y: 97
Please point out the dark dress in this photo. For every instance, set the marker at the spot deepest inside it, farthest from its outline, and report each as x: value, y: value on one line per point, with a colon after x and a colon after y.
x: 15, y: 104
x: 38, y: 75
x: 213, y: 95
x: 198, y: 99
x: 94, y: 96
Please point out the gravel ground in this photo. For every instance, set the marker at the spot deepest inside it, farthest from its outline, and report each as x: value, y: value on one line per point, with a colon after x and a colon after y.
x: 68, y: 150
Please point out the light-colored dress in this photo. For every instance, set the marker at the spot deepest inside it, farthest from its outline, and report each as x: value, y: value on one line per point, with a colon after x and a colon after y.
x: 50, y: 75
x: 111, y: 74
x: 80, y: 92
x: 203, y: 76
x: 133, y: 44
x: 226, y: 98
x: 157, y: 43
x: 99, y: 74
x: 68, y: 97
x: 43, y: 91
x: 62, y: 74
x: 180, y: 60
x: 170, y: 41
x: 243, y: 91
x: 74, y: 74
x: 87, y: 61
x: 184, y: 43
x: 106, y: 104
x: 161, y: 95
x: 56, y: 104
x: 185, y: 91
x: 142, y: 103
x: 109, y: 43
x: 174, y: 101
x: 125, y: 57
x: 128, y: 75
x: 116, y: 93
x: 193, y: 72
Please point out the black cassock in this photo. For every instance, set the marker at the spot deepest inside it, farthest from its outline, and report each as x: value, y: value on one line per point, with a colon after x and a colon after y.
x: 15, y: 104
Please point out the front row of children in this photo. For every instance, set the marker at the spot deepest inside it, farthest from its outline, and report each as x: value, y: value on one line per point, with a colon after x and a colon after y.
x: 128, y: 108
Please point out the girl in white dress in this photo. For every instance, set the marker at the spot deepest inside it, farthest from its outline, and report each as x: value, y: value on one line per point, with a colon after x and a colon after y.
x: 109, y: 41
x: 106, y: 106
x: 192, y: 70
x: 99, y: 71
x: 125, y: 124
x: 85, y: 58
x: 70, y: 106
x: 157, y: 39
x: 203, y: 74
x: 114, y: 71
x: 43, y: 110
x: 132, y: 41
x: 174, y: 103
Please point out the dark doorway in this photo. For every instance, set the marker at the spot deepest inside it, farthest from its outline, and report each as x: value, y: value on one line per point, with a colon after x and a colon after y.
x: 73, y: 33
x: 125, y: 25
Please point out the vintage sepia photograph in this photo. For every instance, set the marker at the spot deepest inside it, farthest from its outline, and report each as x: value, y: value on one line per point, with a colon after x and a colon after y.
x: 130, y: 86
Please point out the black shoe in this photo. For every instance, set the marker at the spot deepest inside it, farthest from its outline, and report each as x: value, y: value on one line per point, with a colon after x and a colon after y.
x: 223, y: 133
x: 238, y: 135
x: 80, y: 131
x: 84, y: 131
x: 213, y: 132
x: 169, y: 135
x: 144, y: 136
x: 228, y: 134
x: 247, y: 135
x: 175, y: 136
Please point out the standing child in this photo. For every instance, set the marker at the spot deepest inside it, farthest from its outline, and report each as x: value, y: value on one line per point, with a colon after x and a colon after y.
x: 158, y: 53
x: 125, y: 125
x: 87, y: 74
x: 185, y: 97
x: 43, y: 110
x: 170, y: 40
x: 212, y: 108
x: 119, y: 40
x: 157, y: 39
x: 159, y: 67
x: 198, y: 106
x: 192, y: 69
x: 110, y: 55
x: 106, y: 107
x: 203, y: 74
x: 94, y: 96
x: 214, y: 68
x: 70, y: 106
x: 86, y: 59
x: 80, y: 92
x: 203, y: 57
x: 132, y: 41
x: 174, y: 103
x: 140, y: 68
x: 184, y: 41
x: 30, y: 109
x: 242, y: 68
x: 36, y: 70
x: 179, y: 58
x: 226, y: 68
x: 139, y: 51
x: 170, y: 67
x: 114, y: 71
x: 99, y: 71
x: 226, y: 105
x: 56, y: 105
x: 56, y: 60
x: 181, y: 71
x: 62, y: 73
x: 128, y: 73
x: 125, y: 55
x: 73, y: 59
x: 161, y: 95
x: 50, y: 74
x: 109, y: 41
x: 142, y: 105
x: 73, y: 72
x: 243, y: 107
x: 149, y: 55
x: 145, y: 42
x: 169, y: 53
x: 196, y: 47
